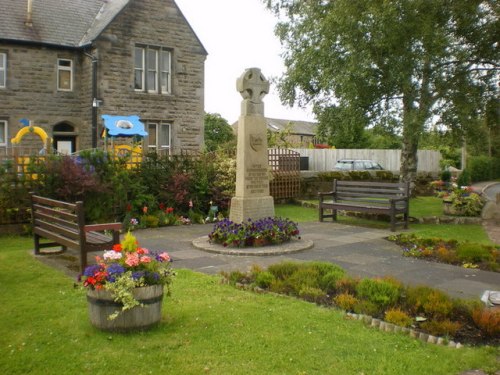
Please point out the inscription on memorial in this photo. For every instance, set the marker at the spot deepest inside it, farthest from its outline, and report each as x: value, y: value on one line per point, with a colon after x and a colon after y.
x: 256, y: 181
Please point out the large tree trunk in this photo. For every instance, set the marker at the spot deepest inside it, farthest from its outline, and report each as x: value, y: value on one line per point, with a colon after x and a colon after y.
x: 412, y: 128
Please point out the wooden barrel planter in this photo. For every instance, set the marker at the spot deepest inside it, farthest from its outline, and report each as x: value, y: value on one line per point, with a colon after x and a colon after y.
x: 102, y: 305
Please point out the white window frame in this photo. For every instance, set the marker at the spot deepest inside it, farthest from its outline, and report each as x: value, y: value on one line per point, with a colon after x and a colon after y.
x: 3, y: 70
x: 152, y: 70
x: 159, y: 126
x: 3, y: 132
x: 62, y: 68
x: 152, y: 61
x: 140, y: 69
x: 166, y: 74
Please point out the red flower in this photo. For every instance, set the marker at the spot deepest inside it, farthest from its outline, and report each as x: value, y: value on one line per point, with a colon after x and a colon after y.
x: 117, y: 247
x: 145, y: 209
x: 162, y: 206
x: 129, y: 207
x: 169, y: 210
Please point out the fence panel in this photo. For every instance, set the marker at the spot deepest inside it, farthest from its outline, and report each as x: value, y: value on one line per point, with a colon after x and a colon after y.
x: 324, y: 160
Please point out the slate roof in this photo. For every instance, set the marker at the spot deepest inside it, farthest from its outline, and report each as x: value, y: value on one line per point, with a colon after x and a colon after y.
x: 298, y: 127
x: 68, y: 23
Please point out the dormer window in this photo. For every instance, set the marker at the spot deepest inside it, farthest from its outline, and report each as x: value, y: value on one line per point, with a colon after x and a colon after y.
x: 64, y: 75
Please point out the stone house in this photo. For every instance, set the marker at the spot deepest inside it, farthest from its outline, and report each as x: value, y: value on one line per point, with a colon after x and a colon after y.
x: 64, y: 64
x: 298, y: 134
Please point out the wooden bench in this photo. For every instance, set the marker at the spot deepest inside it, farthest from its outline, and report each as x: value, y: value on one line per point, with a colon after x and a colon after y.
x: 372, y: 197
x: 64, y: 224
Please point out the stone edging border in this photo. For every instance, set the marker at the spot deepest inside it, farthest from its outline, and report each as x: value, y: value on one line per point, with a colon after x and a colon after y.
x: 390, y: 327
x: 292, y: 246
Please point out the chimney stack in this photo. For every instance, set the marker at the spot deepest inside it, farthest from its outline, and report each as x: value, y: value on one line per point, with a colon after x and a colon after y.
x: 29, y: 14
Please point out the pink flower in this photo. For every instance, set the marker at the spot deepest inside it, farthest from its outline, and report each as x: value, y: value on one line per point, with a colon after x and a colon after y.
x: 142, y: 250
x: 164, y: 257
x: 132, y: 259
x: 146, y: 259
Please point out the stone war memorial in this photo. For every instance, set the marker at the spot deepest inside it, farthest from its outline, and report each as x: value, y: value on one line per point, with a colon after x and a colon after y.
x: 252, y: 199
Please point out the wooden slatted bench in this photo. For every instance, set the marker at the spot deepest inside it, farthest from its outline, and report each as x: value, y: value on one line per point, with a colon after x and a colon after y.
x: 64, y: 224
x: 386, y: 198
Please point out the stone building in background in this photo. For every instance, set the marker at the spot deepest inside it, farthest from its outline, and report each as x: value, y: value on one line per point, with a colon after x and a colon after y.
x: 63, y: 64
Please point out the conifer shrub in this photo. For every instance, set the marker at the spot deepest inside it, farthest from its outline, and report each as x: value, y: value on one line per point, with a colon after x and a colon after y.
x: 473, y: 253
x: 264, y: 279
x: 312, y: 294
x: 345, y: 301
x: 487, y: 320
x: 398, y: 317
x: 378, y: 291
x: 444, y: 327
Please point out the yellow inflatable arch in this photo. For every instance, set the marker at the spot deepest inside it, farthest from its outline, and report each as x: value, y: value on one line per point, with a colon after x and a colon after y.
x: 31, y: 129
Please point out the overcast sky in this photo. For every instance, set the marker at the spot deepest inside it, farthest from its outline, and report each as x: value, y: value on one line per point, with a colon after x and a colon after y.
x: 238, y: 34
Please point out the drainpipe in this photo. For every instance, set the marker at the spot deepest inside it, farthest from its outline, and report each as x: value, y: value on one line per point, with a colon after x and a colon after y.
x: 95, y: 102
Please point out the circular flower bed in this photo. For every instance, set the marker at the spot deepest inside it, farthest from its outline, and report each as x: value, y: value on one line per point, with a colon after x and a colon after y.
x: 262, y: 232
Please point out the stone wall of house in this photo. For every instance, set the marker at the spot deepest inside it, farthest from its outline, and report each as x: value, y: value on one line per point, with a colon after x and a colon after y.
x: 32, y: 93
x: 160, y: 24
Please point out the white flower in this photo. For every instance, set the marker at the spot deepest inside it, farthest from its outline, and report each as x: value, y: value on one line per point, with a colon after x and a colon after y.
x: 111, y: 254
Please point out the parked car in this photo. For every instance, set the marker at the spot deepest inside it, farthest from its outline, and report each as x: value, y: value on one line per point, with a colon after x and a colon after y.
x: 357, y: 165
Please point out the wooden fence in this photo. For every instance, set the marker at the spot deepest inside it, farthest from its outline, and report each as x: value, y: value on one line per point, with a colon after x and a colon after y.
x: 325, y: 159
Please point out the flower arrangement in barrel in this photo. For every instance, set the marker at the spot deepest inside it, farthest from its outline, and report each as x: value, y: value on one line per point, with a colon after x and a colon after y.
x: 128, y: 266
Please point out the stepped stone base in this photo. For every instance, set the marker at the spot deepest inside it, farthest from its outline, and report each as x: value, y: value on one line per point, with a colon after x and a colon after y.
x: 253, y: 208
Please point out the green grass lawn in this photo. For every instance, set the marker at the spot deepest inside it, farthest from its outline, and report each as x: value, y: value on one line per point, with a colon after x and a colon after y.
x: 207, y: 328
x: 419, y: 207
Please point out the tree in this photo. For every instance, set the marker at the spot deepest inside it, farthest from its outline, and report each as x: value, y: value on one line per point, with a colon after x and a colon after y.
x: 415, y: 63
x: 217, y: 131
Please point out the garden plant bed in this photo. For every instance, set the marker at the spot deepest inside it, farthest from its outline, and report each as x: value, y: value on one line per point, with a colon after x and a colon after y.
x: 463, y: 254
x: 420, y: 310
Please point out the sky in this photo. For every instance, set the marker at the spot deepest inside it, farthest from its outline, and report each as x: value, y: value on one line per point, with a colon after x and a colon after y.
x: 238, y: 34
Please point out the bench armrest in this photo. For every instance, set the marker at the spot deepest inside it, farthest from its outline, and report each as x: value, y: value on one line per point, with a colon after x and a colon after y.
x: 322, y: 194
x: 102, y: 227
x: 403, y: 199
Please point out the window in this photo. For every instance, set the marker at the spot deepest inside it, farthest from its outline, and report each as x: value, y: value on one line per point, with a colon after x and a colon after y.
x: 64, y: 75
x: 3, y: 133
x: 158, y: 136
x: 3, y: 70
x: 152, y: 70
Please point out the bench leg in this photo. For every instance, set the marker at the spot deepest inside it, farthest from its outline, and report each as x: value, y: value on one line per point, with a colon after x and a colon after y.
x: 36, y: 239
x: 320, y: 213
x: 334, y: 215
x: 393, y: 223
x: 406, y: 218
x: 83, y: 260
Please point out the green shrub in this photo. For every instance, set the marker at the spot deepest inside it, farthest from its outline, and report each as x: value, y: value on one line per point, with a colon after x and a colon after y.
x: 380, y: 292
x: 304, y: 277
x: 367, y: 308
x: 438, y: 305
x: 385, y: 175
x: 264, y: 279
x: 441, y: 327
x: 480, y: 168
x: 283, y: 270
x: 312, y: 294
x: 487, y: 320
x: 345, y: 301
x: 473, y: 253
x: 149, y: 221
x: 346, y: 285
x: 360, y: 175
x: 464, y: 179
x: 329, y: 281
x: 416, y: 296
x: 324, y: 268
x: 398, y: 317
x: 446, y: 176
